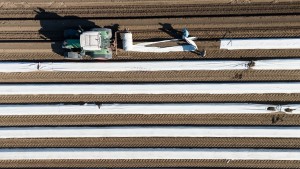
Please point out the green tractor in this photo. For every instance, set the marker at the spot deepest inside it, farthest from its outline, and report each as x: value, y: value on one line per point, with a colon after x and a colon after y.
x: 95, y: 43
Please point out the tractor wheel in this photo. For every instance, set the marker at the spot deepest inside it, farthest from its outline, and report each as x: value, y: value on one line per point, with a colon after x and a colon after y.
x: 102, y: 56
x: 72, y: 55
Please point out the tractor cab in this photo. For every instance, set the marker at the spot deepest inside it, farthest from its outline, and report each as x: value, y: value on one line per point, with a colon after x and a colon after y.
x: 90, y: 41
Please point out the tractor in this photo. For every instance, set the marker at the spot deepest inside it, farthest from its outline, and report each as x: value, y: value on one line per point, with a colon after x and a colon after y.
x: 95, y: 43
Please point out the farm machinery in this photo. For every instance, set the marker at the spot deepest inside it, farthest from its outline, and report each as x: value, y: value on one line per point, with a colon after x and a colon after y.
x: 95, y: 43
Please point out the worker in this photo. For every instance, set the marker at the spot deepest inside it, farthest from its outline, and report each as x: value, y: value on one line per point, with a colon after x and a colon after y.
x: 185, y: 34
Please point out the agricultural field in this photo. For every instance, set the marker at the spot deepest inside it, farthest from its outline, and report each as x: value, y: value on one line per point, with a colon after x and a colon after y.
x: 224, y: 105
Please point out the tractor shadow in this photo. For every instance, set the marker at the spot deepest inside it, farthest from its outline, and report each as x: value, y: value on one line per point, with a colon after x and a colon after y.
x: 53, y: 26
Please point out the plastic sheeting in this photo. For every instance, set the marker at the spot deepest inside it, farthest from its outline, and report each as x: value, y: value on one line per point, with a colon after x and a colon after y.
x: 277, y: 64
x: 146, y: 66
x: 270, y: 64
x: 271, y: 43
x: 127, y: 41
x: 180, y: 108
x: 18, y: 67
x: 173, y: 131
x: 144, y: 47
x: 168, y: 88
x: 149, y: 153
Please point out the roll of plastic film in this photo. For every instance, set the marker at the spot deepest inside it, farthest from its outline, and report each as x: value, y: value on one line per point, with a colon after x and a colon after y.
x: 127, y: 41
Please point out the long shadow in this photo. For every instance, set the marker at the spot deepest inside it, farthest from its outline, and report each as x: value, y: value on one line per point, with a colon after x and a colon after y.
x: 177, y: 34
x: 168, y: 28
x: 52, y: 30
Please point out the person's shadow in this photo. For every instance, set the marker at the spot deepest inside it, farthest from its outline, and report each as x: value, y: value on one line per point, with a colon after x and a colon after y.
x: 177, y: 34
x: 168, y: 28
x: 53, y: 26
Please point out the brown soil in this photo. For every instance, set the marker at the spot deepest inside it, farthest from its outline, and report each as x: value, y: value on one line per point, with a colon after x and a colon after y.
x: 212, y: 27
x: 274, y: 119
x: 28, y: 34
x: 69, y: 163
x: 207, y: 29
x: 150, y: 142
x: 148, y: 98
x: 157, y: 10
x: 146, y: 76
x: 89, y: 3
